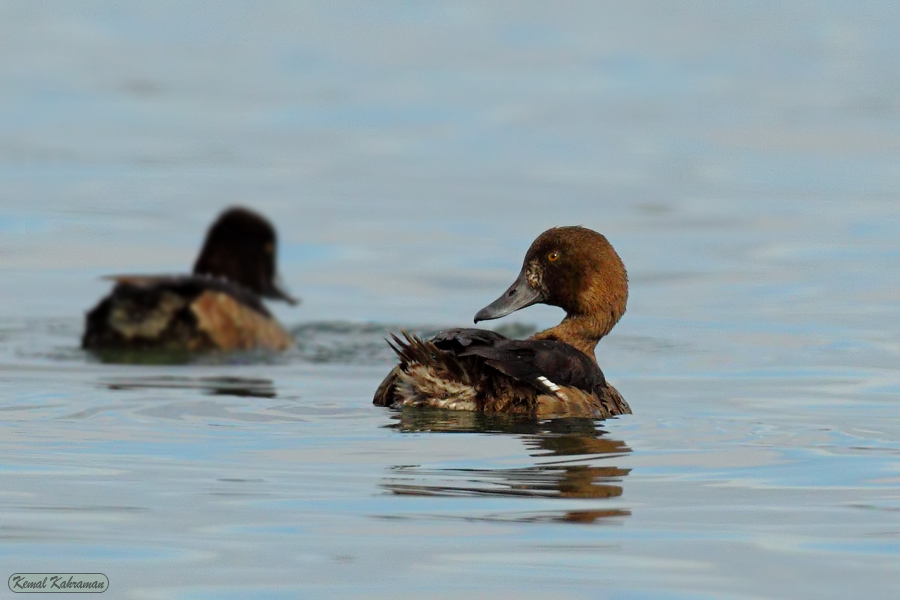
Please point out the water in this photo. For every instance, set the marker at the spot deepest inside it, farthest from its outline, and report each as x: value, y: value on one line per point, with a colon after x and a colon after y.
x: 741, y: 158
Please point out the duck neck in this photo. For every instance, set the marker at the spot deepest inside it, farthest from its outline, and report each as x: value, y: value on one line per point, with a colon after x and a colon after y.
x: 579, y: 331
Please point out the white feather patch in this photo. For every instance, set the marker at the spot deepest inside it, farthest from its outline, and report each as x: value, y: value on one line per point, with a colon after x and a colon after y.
x: 548, y: 384
x: 557, y: 390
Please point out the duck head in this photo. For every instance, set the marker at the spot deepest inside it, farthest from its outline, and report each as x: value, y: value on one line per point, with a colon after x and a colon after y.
x: 241, y: 247
x: 573, y: 268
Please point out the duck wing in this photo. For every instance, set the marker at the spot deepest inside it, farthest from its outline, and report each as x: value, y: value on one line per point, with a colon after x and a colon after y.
x: 546, y: 365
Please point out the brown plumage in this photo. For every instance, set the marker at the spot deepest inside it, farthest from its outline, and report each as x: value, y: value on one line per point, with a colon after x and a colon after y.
x: 552, y: 374
x: 218, y: 307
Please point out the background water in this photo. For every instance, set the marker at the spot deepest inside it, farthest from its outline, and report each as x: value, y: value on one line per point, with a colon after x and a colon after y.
x: 742, y: 158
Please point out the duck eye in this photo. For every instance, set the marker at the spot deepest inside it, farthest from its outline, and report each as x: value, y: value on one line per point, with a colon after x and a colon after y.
x: 553, y: 256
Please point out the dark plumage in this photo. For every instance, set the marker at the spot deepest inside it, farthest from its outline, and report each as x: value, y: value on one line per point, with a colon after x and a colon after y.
x: 219, y: 306
x: 554, y: 373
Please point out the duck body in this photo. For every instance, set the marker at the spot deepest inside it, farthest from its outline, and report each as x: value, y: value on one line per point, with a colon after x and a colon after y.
x: 552, y: 374
x: 189, y: 312
x: 218, y: 307
x: 481, y: 370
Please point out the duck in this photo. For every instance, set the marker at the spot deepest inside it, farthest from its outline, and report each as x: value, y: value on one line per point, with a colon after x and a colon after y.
x: 216, y: 307
x: 554, y: 373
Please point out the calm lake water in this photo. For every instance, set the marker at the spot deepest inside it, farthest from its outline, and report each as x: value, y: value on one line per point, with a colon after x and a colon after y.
x: 743, y: 158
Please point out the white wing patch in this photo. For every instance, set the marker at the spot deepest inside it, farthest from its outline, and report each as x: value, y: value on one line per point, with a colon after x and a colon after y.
x: 548, y: 384
x: 557, y: 391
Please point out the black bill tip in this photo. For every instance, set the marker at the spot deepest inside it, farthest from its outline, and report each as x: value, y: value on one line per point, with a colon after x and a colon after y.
x: 277, y: 291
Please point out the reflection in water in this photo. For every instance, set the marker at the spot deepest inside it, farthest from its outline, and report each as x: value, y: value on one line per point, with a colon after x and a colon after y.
x: 154, y: 357
x: 151, y: 357
x: 579, y: 440
x: 216, y: 386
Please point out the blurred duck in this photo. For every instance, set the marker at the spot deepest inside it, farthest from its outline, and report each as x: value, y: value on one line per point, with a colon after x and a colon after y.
x: 552, y: 374
x: 218, y: 307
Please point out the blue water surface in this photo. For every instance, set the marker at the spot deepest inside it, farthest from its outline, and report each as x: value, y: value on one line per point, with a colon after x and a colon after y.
x: 741, y: 157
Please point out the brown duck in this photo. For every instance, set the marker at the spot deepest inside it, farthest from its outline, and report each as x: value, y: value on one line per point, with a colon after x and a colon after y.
x: 218, y: 307
x: 552, y: 374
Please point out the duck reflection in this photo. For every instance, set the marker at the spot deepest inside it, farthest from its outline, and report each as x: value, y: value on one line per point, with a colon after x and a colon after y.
x: 576, y: 443
x: 215, y: 386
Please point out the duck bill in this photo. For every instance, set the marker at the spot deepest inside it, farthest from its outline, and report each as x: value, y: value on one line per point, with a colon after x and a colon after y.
x: 278, y: 291
x: 519, y: 295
